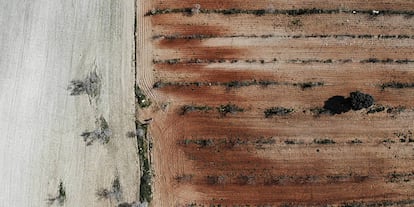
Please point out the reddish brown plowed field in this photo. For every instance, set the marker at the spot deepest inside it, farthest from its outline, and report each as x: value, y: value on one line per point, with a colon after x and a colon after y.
x: 248, y: 24
x: 284, y: 48
x: 331, y: 74
x: 194, y: 65
x: 288, y: 4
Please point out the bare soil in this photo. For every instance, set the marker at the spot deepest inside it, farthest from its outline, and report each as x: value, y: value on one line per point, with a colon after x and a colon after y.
x: 205, y: 158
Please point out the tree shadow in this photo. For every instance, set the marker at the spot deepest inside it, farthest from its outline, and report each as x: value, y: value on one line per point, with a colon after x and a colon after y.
x: 338, y: 105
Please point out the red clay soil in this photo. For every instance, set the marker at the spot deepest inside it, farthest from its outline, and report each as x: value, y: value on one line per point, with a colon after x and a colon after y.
x: 205, y: 157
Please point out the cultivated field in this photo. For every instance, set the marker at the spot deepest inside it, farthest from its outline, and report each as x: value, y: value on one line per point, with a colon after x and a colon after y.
x: 67, y: 103
x: 249, y: 101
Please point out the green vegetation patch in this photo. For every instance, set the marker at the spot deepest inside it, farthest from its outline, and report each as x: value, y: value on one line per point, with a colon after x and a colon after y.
x: 144, y: 152
x: 142, y: 99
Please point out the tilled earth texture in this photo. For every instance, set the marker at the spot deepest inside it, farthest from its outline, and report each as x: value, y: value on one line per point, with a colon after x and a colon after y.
x: 278, y: 103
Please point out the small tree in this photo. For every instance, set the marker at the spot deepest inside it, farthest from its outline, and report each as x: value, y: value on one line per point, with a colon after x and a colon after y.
x: 361, y: 100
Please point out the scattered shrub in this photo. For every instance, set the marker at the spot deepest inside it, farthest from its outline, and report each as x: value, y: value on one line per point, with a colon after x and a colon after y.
x: 229, y: 108
x: 246, y: 179
x: 133, y: 204
x: 360, y: 100
x: 238, y: 84
x: 396, y: 110
x: 376, y: 109
x: 115, y: 191
x: 277, y: 111
x: 324, y: 141
x: 231, y: 11
x: 260, y: 12
x: 297, y: 22
x: 185, y: 178
x: 307, y: 85
x: 189, y: 108
x: 103, y: 133
x: 356, y: 141
x: 143, y: 101
x: 214, y: 179
x: 91, y: 86
x: 144, y: 146
x: 318, y: 111
x: 61, y: 195
x: 397, y: 85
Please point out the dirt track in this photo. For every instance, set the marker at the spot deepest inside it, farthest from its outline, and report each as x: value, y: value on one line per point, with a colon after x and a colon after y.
x: 209, y: 59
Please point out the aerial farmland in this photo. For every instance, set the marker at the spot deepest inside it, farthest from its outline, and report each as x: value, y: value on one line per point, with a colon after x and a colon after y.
x: 278, y: 103
x: 207, y: 103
